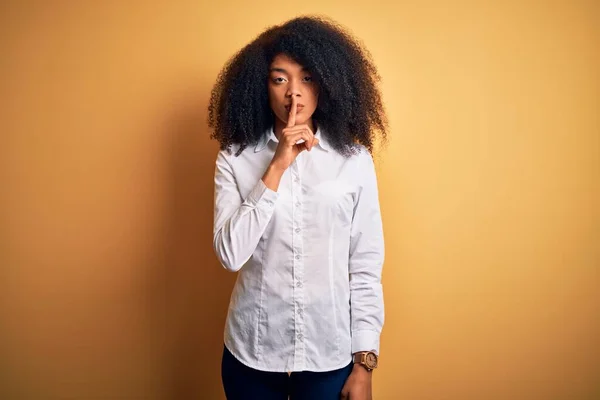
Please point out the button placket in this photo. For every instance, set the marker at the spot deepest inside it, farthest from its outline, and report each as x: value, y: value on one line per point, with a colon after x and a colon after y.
x: 298, y: 268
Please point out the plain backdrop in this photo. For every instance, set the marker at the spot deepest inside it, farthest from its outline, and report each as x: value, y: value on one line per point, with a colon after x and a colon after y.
x: 490, y: 194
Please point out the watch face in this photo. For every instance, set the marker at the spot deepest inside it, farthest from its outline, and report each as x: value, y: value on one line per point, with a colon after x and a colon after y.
x: 371, y: 360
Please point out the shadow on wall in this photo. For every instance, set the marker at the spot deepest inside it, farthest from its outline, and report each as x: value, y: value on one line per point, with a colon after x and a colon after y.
x: 197, y: 286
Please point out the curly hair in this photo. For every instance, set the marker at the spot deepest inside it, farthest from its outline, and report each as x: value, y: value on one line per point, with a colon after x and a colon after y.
x: 349, y: 109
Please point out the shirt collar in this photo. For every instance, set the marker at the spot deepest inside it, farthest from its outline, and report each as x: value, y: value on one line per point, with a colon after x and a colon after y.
x: 269, y: 135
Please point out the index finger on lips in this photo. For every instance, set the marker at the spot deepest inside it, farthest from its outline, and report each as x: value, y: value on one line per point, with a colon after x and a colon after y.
x: 292, y: 116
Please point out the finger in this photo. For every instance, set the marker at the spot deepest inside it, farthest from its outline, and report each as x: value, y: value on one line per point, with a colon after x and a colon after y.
x: 300, y: 147
x: 297, y: 128
x: 294, y: 138
x: 308, y: 139
x: 292, y: 116
x: 315, y: 142
x: 301, y: 127
x: 308, y: 136
x: 294, y: 135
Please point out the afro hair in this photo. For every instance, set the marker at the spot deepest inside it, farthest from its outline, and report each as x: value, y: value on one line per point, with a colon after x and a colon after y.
x: 349, y: 109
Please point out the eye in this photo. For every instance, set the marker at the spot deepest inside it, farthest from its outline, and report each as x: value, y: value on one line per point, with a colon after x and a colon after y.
x: 308, y: 78
x: 278, y: 81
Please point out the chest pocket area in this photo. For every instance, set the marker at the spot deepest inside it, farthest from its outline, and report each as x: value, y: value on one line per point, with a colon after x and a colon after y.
x: 333, y: 201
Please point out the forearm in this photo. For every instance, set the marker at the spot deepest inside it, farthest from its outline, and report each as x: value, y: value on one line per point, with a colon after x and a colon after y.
x: 367, y: 313
x: 236, y: 237
x: 272, y: 177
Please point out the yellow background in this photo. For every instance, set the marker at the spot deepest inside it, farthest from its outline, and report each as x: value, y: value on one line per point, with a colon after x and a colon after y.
x: 490, y: 192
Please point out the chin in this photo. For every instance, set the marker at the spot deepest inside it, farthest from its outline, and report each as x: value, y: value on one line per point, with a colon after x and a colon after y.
x: 300, y: 121
x: 302, y: 118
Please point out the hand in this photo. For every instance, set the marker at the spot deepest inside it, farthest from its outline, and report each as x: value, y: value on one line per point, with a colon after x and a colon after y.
x: 358, y: 385
x: 289, y: 143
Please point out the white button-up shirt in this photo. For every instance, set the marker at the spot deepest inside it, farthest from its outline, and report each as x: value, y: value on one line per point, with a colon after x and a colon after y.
x: 309, y: 255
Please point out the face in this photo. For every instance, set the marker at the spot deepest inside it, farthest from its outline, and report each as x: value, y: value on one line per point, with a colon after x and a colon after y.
x: 286, y: 79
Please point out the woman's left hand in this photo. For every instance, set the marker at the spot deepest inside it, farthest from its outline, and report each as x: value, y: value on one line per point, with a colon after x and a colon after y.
x: 358, y: 385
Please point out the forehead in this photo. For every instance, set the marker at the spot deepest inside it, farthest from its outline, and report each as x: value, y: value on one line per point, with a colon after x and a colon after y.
x: 281, y: 61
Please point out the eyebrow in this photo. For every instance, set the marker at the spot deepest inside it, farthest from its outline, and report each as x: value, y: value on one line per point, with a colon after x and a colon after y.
x: 277, y: 69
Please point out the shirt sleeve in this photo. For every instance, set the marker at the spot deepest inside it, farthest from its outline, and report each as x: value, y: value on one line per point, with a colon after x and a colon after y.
x: 366, y: 262
x: 238, y: 223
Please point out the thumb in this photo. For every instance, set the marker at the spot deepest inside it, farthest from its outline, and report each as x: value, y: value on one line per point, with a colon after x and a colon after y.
x: 345, y: 395
x: 300, y: 147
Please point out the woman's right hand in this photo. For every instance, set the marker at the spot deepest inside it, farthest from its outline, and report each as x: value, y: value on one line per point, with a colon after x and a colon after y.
x: 288, y: 148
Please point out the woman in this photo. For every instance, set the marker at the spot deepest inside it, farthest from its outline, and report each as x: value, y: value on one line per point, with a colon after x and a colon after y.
x: 297, y: 213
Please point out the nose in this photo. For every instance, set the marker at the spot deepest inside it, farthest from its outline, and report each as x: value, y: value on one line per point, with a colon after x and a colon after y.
x: 293, y: 89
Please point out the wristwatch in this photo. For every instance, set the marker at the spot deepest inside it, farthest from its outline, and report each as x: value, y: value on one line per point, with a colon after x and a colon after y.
x: 367, y: 359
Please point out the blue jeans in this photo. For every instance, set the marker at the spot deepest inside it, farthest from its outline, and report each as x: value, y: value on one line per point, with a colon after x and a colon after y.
x: 244, y: 383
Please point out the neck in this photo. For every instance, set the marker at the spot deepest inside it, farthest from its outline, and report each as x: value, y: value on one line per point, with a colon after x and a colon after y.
x: 280, y: 125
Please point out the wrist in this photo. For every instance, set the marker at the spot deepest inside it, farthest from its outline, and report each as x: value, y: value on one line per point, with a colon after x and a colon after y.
x: 274, y: 168
x: 361, y: 371
x: 368, y: 360
x: 272, y: 177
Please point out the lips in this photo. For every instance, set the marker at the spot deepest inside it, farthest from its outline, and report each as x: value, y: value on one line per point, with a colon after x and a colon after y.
x: 300, y: 107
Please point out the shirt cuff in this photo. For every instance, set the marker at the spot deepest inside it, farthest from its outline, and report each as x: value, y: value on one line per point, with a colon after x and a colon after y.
x: 261, y: 195
x: 365, y: 340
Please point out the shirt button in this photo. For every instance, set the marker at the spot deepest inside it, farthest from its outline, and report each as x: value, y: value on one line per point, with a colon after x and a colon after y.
x: 297, y: 256
x: 300, y: 337
x: 297, y: 230
x: 296, y: 180
x: 299, y: 284
x: 300, y: 311
x: 297, y: 204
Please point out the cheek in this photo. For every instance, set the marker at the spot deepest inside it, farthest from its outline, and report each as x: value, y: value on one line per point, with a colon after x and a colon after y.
x: 273, y: 102
x: 274, y: 90
x: 272, y: 95
x: 315, y: 102
x: 315, y: 97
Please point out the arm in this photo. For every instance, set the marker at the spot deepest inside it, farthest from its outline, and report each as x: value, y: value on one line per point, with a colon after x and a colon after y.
x: 240, y: 223
x: 366, y: 295
x: 366, y: 262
